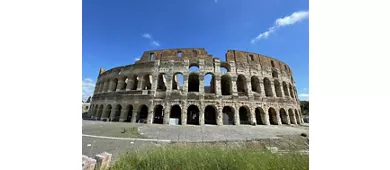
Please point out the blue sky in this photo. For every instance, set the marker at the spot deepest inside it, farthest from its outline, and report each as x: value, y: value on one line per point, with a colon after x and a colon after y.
x: 116, y: 33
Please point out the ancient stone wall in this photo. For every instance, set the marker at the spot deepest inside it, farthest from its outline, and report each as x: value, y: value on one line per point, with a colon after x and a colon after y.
x: 248, y: 88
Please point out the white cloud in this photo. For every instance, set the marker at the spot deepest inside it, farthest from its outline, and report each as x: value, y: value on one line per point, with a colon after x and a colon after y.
x: 304, y: 95
x: 88, y: 88
x: 136, y: 59
x: 155, y: 43
x: 149, y: 37
x: 281, y: 22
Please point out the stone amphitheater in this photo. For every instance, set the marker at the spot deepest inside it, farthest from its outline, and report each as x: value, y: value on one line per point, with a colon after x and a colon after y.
x: 168, y: 87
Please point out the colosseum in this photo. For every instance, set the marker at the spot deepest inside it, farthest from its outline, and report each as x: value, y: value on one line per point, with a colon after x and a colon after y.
x: 246, y: 88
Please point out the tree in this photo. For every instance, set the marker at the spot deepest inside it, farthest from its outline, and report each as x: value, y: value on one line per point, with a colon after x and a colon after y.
x: 305, y: 107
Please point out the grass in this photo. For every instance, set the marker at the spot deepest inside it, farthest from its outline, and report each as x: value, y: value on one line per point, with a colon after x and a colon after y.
x: 209, y: 156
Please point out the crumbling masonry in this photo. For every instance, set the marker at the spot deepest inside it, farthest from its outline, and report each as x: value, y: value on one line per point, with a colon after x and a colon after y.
x: 248, y: 88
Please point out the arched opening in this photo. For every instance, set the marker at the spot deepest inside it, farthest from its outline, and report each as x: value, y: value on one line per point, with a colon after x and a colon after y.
x: 292, y: 116
x: 267, y: 87
x: 209, y: 83
x: 142, y: 114
x: 179, y: 54
x: 297, y: 117
x: 285, y: 89
x: 193, y: 82
x: 226, y: 85
x: 194, y: 67
x: 210, y: 115
x: 255, y: 82
x: 114, y: 84
x: 158, y: 114
x: 116, y: 116
x: 278, y: 91
x: 260, y: 115
x: 129, y: 113
x: 283, y: 116
x: 291, y: 92
x: 244, y: 115
x: 273, y: 119
x: 100, y: 111
x: 135, y: 82
x: 126, y: 81
x: 274, y: 74
x: 228, y: 115
x: 176, y: 113
x: 178, y: 81
x: 224, y: 67
x: 161, y: 82
x: 193, y: 115
x: 107, y: 111
x: 147, y: 82
x: 241, y: 85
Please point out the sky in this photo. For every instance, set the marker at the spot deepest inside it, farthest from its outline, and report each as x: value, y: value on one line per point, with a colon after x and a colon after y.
x: 116, y: 33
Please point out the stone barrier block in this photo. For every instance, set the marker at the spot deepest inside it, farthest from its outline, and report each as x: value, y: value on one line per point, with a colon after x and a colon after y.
x: 103, y: 161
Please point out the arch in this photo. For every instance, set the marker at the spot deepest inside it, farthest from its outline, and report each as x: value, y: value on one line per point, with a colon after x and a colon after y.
x: 274, y: 74
x: 194, y: 67
x: 114, y: 84
x: 228, y: 115
x: 161, y: 82
x: 267, y: 87
x: 107, y: 111
x: 244, y: 114
x: 100, y: 111
x: 260, y: 116
x: 117, y: 113
x: 225, y: 67
x: 273, y: 120
x: 147, y: 82
x: 255, y: 82
x: 241, y: 84
x: 129, y: 113
x: 285, y: 88
x: 278, y: 91
x: 226, y: 85
x: 209, y: 83
x: 125, y: 82
x: 193, y: 82
x: 158, y: 114
x: 193, y: 115
x: 210, y: 115
x: 283, y: 116
x: 292, y: 116
x: 176, y: 113
x: 142, y: 114
x: 297, y: 117
x: 177, y: 81
x: 135, y: 82
x: 291, y: 92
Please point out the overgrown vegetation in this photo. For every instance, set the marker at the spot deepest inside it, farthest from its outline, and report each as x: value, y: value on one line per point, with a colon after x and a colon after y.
x: 211, y: 156
x: 305, y: 107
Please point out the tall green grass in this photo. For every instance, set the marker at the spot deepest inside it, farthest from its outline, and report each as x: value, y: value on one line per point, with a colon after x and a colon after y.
x: 213, y: 157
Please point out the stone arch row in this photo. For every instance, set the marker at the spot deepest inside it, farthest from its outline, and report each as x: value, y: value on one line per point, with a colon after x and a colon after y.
x: 227, y: 85
x: 227, y: 115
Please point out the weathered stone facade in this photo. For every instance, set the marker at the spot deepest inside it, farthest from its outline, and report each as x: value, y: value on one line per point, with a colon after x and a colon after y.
x: 254, y: 89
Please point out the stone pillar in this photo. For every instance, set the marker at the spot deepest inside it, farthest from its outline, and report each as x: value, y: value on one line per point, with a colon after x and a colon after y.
x: 288, y: 118
x: 262, y: 89
x: 252, y: 116
x: 121, y: 83
x: 124, y: 115
x: 219, y: 116
x: 278, y: 116
x: 249, y: 87
x: 135, y: 114
x: 150, y: 114
x: 130, y: 83
x: 110, y: 86
x: 166, y: 113
x: 237, y: 116
x: 273, y: 89
x: 140, y: 83
x: 218, y: 87
x: 112, y: 113
x: 266, y: 116
x: 184, y: 114
x: 201, y: 83
x: 185, y: 83
x: 234, y: 85
x: 105, y: 87
x: 201, y: 115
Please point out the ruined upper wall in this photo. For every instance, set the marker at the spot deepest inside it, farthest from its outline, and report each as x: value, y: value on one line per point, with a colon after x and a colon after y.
x: 248, y: 58
x: 175, y: 54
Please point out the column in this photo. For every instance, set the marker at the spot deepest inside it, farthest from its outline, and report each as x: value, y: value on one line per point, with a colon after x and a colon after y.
x: 201, y: 115
x: 121, y: 83
x: 124, y: 115
x: 201, y: 83
x: 113, y: 113
x: 253, y: 116
x: 185, y: 83
x: 166, y: 113
x: 234, y: 85
x: 218, y: 85
x: 184, y: 114
x: 105, y: 87
x: 219, y: 116
x: 236, y: 115
x: 278, y: 116
x: 110, y: 86
x: 149, y: 119
x: 249, y: 87
x: 266, y: 116
x: 139, y: 85
x: 135, y: 114
x: 262, y: 89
